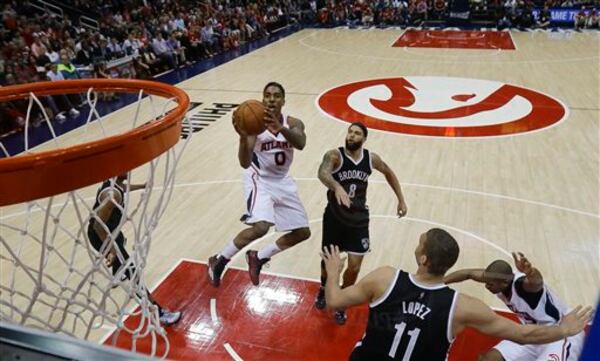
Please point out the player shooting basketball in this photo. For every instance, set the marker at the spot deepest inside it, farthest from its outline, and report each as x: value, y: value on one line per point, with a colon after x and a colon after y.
x: 108, y: 217
x: 271, y: 194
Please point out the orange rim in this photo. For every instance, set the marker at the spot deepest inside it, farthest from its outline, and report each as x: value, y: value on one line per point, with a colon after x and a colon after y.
x: 32, y: 176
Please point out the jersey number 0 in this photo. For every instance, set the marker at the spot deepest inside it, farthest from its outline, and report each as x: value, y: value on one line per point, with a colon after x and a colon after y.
x: 280, y: 158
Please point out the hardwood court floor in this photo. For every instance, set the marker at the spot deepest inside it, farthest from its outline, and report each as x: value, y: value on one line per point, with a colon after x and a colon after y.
x: 537, y: 192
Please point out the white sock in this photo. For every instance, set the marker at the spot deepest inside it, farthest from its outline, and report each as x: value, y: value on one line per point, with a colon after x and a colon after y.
x: 229, y: 251
x: 269, y: 251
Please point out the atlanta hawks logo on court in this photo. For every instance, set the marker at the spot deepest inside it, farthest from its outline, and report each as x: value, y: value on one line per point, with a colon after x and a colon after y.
x: 442, y: 106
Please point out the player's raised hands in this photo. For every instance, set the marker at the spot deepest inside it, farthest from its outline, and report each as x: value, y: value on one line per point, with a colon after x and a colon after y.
x: 575, y: 321
x: 334, y: 263
x: 522, y: 263
x: 272, y: 121
x: 110, y: 257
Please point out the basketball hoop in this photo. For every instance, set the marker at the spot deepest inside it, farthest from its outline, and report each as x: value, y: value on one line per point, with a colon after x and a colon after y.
x: 52, y: 278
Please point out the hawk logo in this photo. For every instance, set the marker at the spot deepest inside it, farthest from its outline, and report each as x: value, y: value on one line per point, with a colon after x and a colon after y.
x: 442, y: 106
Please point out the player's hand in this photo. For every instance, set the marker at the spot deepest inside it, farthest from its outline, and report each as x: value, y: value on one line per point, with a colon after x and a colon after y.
x: 342, y: 198
x: 272, y: 121
x: 402, y: 209
x: 239, y: 130
x: 334, y: 264
x: 110, y: 257
x: 575, y: 321
x: 522, y: 263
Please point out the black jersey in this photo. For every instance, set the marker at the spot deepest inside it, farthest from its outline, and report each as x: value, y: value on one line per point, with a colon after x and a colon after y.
x: 354, y: 177
x: 409, y: 322
x: 116, y: 215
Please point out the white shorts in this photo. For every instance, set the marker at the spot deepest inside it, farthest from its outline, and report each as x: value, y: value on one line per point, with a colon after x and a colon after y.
x: 273, y: 200
x: 564, y: 350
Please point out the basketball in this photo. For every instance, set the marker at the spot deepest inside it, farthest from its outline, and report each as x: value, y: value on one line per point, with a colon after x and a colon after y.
x: 249, y: 116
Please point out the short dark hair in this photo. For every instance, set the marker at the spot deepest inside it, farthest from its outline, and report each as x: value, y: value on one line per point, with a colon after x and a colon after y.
x: 441, y: 250
x: 276, y: 84
x: 498, y: 270
x: 361, y: 126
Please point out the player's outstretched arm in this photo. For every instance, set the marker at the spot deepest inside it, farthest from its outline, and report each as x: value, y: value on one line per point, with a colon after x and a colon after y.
x: 392, y: 180
x: 295, y: 133
x: 534, y: 282
x: 331, y: 160
x: 371, y: 287
x: 475, y: 274
x: 472, y: 312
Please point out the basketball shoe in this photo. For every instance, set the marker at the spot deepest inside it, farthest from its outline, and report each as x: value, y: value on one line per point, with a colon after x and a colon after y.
x: 255, y: 265
x: 216, y: 265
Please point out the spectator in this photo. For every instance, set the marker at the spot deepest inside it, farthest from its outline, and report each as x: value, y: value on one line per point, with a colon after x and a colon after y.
x: 580, y: 19
x: 543, y: 21
x: 38, y: 48
x: 132, y: 45
x: 53, y: 74
x: 116, y: 50
x: 100, y: 72
x: 591, y: 21
x: 208, y: 36
x: 163, y: 51
x: 85, y: 54
x: 175, y: 47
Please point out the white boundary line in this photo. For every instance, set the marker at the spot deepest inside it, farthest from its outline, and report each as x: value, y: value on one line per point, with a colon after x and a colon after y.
x: 398, y: 37
x: 375, y: 181
x: 213, y: 310
x: 424, y: 59
x: 513, y: 40
x: 427, y: 186
x: 232, y: 352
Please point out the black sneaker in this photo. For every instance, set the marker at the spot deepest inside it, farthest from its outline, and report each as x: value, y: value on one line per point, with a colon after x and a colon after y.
x: 320, y: 302
x: 255, y: 265
x: 216, y: 265
x: 340, y: 317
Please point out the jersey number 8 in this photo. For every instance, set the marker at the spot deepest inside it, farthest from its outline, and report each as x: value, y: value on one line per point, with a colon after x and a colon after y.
x: 352, y: 191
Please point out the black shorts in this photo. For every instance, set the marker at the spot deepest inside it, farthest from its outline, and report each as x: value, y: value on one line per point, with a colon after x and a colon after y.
x: 120, y: 241
x: 353, y: 240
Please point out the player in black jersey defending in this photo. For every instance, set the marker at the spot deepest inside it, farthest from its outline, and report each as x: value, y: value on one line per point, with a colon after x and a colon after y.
x: 107, y: 217
x: 415, y: 316
x: 345, y: 172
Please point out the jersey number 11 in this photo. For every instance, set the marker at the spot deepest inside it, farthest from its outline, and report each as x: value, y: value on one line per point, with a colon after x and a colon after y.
x: 414, y: 335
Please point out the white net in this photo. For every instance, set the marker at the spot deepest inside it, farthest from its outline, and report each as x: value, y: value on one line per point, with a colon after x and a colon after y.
x: 55, y: 252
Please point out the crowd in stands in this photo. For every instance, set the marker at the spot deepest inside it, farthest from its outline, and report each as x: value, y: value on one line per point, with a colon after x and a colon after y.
x: 158, y: 35
x: 502, y: 13
x: 154, y: 35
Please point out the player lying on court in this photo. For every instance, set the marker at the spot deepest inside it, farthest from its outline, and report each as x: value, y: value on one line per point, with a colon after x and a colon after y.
x: 271, y: 194
x: 525, y: 293
x: 108, y: 216
x: 416, y: 316
x: 345, y: 172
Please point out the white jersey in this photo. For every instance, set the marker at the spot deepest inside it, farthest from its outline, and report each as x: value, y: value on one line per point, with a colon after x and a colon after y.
x: 272, y: 154
x: 533, y: 308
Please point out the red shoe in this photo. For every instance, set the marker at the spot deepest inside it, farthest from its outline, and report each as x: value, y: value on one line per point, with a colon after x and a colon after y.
x: 255, y: 265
